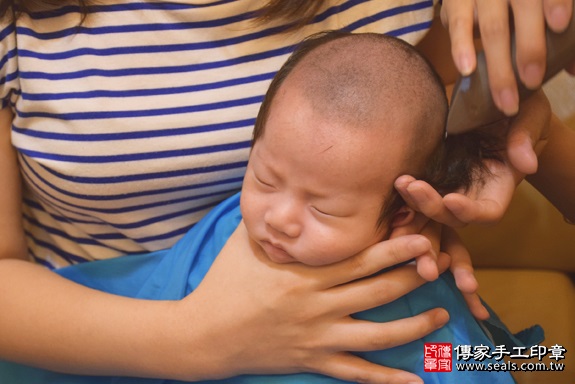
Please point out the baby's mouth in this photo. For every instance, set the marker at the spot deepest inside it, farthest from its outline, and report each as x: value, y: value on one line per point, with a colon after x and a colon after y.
x: 276, y: 252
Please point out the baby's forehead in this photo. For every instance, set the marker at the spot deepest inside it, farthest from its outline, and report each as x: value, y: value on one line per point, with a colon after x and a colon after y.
x: 342, y: 156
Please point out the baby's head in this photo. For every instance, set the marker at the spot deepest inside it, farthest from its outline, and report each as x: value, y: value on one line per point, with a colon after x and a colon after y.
x: 343, y: 118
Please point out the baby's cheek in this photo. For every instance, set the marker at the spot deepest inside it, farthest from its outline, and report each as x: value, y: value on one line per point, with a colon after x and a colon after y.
x: 328, y: 252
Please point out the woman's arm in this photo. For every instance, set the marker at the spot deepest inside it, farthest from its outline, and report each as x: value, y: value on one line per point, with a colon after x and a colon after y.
x: 245, y: 317
x: 555, y: 176
x: 11, y: 230
x: 51, y: 322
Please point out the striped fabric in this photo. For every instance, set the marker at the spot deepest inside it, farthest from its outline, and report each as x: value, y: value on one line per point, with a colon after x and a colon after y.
x: 133, y: 125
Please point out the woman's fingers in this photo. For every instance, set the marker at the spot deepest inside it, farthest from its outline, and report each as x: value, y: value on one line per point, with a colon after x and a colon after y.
x: 487, y: 210
x: 492, y: 17
x: 427, y: 264
x: 457, y: 17
x: 358, y: 335
x: 354, y: 369
x: 494, y: 27
x: 382, y: 255
x: 463, y: 272
x: 401, y: 184
x: 363, y: 335
x: 422, y: 197
x: 529, y: 24
x: 482, y: 205
x: 528, y: 133
x: 376, y: 290
x: 558, y: 14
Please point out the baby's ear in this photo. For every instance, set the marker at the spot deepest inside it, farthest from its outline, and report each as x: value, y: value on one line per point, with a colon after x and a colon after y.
x: 402, y: 217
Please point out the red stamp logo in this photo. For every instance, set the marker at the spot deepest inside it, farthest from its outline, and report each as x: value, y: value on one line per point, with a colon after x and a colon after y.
x: 437, y: 357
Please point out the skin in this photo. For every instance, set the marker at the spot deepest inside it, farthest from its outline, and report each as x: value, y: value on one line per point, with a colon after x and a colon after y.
x: 212, y: 333
x: 288, y: 222
x: 526, y: 137
x: 12, y: 243
x: 548, y: 139
x: 491, y: 17
x: 168, y: 335
x: 307, y: 184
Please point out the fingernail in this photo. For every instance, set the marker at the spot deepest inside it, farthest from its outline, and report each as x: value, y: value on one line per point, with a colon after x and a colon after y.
x: 473, y: 279
x: 402, y: 181
x: 416, y: 190
x: 419, y: 245
x: 558, y: 18
x: 533, y: 75
x: 528, y: 158
x: 441, y: 318
x: 465, y: 65
x: 508, y: 102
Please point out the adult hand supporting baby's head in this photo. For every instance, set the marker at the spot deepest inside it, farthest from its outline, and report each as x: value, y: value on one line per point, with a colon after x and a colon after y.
x: 448, y: 252
x: 286, y: 318
x: 485, y: 203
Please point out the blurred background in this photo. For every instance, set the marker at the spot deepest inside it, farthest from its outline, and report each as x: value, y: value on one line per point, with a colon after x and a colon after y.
x: 526, y: 264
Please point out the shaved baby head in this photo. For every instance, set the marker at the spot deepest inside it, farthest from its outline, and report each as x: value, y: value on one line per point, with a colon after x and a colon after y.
x: 379, y: 83
x: 366, y: 80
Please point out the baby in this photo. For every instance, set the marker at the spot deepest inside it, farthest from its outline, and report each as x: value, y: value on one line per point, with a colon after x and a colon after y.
x: 343, y: 118
x: 341, y: 121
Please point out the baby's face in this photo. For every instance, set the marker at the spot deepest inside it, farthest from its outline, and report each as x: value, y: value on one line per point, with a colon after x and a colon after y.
x: 313, y: 189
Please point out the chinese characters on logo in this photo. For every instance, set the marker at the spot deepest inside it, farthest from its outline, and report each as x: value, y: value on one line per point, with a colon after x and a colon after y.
x: 437, y: 357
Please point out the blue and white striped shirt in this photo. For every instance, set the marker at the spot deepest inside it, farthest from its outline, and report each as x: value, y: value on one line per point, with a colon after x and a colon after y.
x: 130, y: 127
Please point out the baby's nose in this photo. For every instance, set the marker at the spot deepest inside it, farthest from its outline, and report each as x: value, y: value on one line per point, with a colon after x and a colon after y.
x: 285, y: 219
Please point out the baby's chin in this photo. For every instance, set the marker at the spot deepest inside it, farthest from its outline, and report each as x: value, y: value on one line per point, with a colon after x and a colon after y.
x: 281, y: 256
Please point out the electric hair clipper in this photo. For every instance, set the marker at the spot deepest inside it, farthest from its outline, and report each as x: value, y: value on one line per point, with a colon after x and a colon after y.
x: 471, y: 103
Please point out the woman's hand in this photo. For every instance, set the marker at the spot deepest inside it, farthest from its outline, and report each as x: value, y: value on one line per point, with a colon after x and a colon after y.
x: 446, y: 243
x: 462, y: 270
x: 271, y: 318
x: 525, y: 139
x: 483, y: 204
x: 492, y: 19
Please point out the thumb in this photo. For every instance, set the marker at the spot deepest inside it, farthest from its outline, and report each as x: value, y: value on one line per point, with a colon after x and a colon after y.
x: 520, y: 151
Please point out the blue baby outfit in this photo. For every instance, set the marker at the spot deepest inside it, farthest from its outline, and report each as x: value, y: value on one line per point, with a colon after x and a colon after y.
x: 174, y: 273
